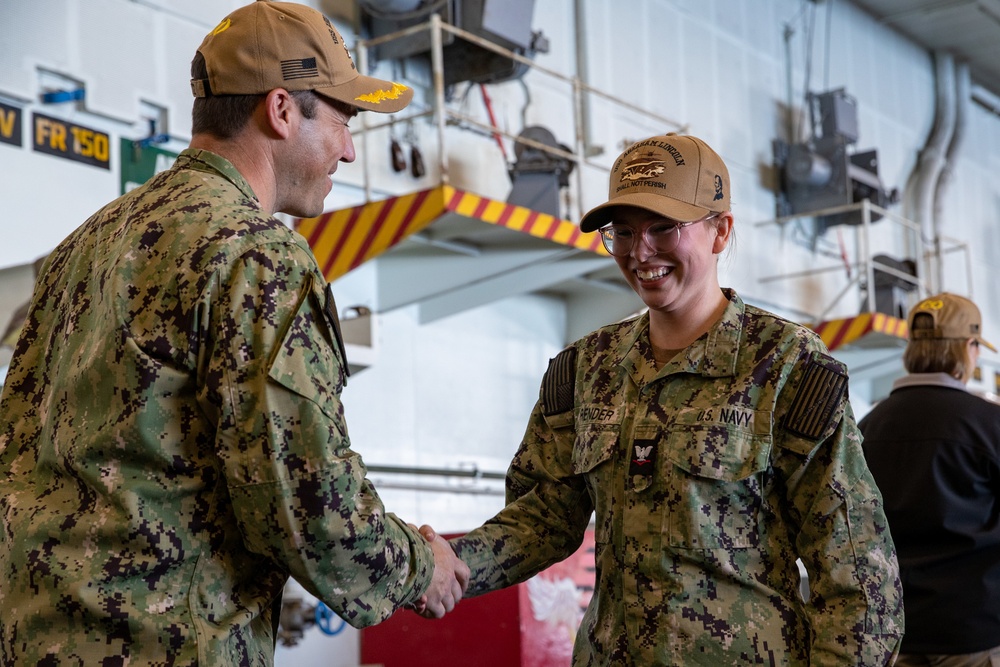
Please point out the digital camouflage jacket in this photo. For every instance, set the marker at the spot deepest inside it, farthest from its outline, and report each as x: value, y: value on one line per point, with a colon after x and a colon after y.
x: 173, y: 445
x: 706, y: 480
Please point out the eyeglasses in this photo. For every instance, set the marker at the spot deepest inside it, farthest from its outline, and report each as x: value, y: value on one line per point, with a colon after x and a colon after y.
x: 619, y: 240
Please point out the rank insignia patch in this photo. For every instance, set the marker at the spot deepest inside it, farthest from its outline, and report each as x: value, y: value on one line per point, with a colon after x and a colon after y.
x: 642, y: 458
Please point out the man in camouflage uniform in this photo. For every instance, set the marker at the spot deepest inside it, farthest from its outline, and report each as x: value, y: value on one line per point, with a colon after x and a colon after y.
x: 716, y: 445
x: 172, y: 441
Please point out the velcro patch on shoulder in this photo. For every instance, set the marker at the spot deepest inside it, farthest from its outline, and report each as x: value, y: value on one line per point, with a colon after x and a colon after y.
x: 816, y: 400
x: 558, y: 383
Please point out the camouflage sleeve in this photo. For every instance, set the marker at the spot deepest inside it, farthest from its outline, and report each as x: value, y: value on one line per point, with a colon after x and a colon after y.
x: 547, y: 513
x: 855, y: 605
x: 272, y: 380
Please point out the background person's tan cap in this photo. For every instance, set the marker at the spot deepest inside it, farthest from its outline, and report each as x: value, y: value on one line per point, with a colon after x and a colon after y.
x: 955, y: 317
x: 267, y: 45
x: 676, y: 176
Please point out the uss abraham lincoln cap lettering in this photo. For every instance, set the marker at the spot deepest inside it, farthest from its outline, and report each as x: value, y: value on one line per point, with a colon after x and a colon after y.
x: 267, y: 45
x: 673, y: 175
x: 955, y: 317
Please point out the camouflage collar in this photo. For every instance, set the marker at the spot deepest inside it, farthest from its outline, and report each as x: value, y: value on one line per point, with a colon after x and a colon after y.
x: 721, y: 345
x: 714, y: 354
x: 195, y: 158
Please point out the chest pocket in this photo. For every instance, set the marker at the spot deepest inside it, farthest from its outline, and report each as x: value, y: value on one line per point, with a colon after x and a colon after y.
x: 592, y: 448
x: 715, y: 482
x: 593, y: 458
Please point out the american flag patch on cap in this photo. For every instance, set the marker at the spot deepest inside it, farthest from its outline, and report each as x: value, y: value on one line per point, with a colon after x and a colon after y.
x: 299, y: 69
x: 816, y: 400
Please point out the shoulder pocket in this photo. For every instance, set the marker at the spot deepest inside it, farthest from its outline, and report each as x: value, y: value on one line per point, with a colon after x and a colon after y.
x: 560, y: 420
x: 305, y: 362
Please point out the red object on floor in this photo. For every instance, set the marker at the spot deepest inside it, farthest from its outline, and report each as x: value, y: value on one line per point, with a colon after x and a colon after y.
x: 529, y: 625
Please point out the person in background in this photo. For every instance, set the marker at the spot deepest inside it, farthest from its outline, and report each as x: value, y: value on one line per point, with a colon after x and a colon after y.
x: 934, y: 450
x: 712, y: 443
x: 172, y: 441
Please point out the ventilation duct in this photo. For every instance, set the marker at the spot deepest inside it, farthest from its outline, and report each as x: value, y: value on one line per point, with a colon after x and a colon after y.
x: 928, y: 183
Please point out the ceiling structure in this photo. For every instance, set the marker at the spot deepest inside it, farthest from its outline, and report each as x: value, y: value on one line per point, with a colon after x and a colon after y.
x: 968, y: 29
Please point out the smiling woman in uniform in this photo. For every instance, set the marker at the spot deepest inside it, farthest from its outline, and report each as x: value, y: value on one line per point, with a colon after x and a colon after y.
x: 713, y: 444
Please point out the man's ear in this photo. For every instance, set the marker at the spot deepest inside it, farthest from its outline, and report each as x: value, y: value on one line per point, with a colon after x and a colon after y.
x: 280, y: 112
x: 723, y: 231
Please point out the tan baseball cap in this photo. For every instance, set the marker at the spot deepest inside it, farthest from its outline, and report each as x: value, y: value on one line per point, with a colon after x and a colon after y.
x: 267, y: 45
x: 955, y: 317
x: 673, y: 175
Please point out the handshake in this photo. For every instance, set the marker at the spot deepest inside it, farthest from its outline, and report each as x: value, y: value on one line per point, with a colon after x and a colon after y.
x: 450, y: 580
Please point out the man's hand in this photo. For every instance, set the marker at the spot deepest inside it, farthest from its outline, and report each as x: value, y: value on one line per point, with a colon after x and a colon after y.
x: 450, y: 580
x: 429, y: 533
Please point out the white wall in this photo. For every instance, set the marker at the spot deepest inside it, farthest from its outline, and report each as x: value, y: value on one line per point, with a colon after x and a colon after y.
x: 457, y: 392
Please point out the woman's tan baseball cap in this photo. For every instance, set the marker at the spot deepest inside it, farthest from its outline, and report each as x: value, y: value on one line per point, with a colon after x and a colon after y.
x: 673, y: 175
x: 267, y: 45
x: 955, y: 317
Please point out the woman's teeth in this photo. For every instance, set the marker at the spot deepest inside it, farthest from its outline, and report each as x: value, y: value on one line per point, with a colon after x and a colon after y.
x: 652, y: 274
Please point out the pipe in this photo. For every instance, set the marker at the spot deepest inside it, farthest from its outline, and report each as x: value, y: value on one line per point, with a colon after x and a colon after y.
x: 582, y: 73
x: 474, y: 472
x: 922, y: 183
x: 366, y: 176
x: 440, y: 488
x: 488, y: 103
x: 963, y: 95
x: 789, y: 96
x: 986, y: 99
x: 437, y: 67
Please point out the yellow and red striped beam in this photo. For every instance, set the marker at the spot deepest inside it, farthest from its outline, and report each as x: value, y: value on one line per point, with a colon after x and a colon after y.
x: 837, y: 333
x: 343, y: 240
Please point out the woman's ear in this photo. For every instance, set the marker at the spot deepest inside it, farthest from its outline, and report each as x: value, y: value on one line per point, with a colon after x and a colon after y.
x: 971, y: 358
x: 723, y: 231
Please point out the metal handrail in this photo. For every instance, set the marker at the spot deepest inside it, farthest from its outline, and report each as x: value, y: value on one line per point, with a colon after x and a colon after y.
x: 442, y: 114
x: 866, y: 263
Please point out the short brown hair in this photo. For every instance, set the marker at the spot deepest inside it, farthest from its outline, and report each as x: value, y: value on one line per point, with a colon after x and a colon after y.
x: 225, y: 116
x: 222, y: 116
x: 934, y: 355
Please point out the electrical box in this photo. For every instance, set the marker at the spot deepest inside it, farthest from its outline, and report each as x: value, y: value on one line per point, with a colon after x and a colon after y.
x: 838, y: 115
x: 506, y: 23
x: 823, y: 173
x: 537, y: 176
x: 892, y: 292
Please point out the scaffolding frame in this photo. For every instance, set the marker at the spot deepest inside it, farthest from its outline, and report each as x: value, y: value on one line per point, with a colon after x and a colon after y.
x: 442, y: 114
x: 865, y: 265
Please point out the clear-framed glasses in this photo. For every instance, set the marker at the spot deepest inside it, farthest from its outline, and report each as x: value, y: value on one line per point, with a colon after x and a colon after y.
x: 662, y: 236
